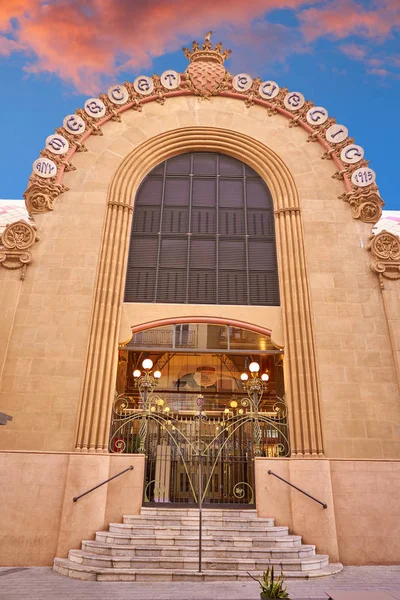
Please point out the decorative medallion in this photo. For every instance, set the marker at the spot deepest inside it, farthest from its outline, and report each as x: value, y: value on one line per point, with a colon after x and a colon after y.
x: 143, y: 85
x: 118, y: 94
x: 170, y: 80
x: 15, y: 244
x: 206, y: 72
x: 363, y: 177
x: 385, y: 249
x: 74, y: 124
x: 57, y: 144
x: 336, y: 133
x: 205, y: 376
x: 242, y: 82
x: 294, y: 101
x: 94, y: 107
x: 317, y: 115
x: 352, y: 154
x: 44, y: 167
x: 268, y: 90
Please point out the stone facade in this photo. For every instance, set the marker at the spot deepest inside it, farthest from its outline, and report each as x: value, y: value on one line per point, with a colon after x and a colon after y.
x: 339, y: 322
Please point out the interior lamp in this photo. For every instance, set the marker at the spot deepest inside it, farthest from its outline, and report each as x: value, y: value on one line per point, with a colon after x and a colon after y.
x: 147, y: 364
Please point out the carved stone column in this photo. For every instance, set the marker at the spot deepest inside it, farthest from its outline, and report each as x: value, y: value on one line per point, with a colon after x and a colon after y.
x: 301, y: 377
x: 101, y: 364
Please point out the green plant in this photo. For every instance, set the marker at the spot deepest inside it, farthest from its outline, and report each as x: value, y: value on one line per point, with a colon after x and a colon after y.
x: 270, y: 588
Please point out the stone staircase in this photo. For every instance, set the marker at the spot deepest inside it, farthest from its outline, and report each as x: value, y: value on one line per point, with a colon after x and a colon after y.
x: 161, y: 544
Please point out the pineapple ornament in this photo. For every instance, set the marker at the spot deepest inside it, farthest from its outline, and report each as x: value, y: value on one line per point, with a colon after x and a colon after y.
x: 206, y: 73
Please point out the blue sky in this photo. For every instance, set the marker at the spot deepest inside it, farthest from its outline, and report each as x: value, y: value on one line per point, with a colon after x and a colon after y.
x: 343, y: 55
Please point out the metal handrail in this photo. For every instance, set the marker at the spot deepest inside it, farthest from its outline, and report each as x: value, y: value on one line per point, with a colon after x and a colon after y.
x: 103, y: 483
x: 298, y: 489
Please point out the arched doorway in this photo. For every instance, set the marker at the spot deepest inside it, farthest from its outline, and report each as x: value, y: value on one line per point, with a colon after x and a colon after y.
x: 156, y: 410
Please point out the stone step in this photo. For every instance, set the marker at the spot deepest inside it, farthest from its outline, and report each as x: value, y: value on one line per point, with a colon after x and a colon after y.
x: 185, y: 562
x: 95, y: 547
x: 86, y: 572
x: 216, y: 531
x: 210, y: 512
x: 189, y: 521
x: 287, y: 541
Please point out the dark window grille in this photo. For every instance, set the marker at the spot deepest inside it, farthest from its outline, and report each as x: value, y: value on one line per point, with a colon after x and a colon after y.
x: 203, y: 233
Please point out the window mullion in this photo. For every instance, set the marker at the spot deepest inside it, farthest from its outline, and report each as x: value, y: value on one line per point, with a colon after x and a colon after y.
x: 217, y: 234
x: 246, y: 233
x: 188, y: 233
x: 160, y: 230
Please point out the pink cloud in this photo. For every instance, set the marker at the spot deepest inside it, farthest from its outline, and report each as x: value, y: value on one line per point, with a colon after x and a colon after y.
x: 7, y: 46
x: 342, y: 18
x: 375, y: 62
x: 383, y: 73
x: 354, y: 51
x: 83, y: 41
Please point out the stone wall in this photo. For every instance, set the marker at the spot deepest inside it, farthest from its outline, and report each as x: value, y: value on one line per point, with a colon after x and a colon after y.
x: 47, y: 350
x: 39, y: 520
x: 361, y: 525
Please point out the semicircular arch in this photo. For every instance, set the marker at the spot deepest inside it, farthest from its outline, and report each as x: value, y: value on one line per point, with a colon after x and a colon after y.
x: 302, y: 391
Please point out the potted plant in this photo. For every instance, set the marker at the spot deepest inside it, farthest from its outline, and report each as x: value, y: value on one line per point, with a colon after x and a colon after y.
x: 270, y: 588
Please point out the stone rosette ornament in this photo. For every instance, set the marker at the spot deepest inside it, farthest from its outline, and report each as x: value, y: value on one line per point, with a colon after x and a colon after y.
x: 385, y: 250
x: 16, y: 243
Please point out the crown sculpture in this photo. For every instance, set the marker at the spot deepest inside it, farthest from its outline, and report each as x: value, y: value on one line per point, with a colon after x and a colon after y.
x: 206, y: 71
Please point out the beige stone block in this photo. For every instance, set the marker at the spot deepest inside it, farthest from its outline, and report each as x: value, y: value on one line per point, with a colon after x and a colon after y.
x: 369, y: 359
x: 329, y: 342
x: 367, y: 448
x: 379, y: 429
x: 338, y: 448
x: 47, y: 422
x: 322, y: 309
x: 390, y: 448
x: 358, y: 374
x: 343, y: 358
x: 62, y: 442
x: 365, y: 409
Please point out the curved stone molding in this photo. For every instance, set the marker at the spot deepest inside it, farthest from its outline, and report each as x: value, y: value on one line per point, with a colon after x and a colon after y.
x: 15, y: 244
x: 302, y: 385
x: 385, y: 250
x: 205, y: 77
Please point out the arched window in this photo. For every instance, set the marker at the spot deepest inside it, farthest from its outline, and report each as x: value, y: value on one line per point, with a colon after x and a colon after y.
x: 203, y: 233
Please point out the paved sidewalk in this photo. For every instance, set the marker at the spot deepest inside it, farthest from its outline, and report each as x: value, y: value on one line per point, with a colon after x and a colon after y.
x: 41, y: 583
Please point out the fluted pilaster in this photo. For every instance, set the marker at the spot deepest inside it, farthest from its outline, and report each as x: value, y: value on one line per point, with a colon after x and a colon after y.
x: 301, y: 378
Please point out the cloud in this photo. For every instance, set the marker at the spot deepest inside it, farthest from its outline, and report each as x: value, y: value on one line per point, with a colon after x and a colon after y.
x: 354, y: 51
x: 82, y: 41
x: 342, y: 18
x: 384, y: 73
x: 88, y: 42
x: 7, y: 46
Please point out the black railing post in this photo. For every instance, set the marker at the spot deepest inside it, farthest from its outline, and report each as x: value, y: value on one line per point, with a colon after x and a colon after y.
x: 200, y: 404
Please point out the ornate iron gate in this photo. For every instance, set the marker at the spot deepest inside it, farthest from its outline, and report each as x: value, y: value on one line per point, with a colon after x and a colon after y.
x: 173, y: 448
